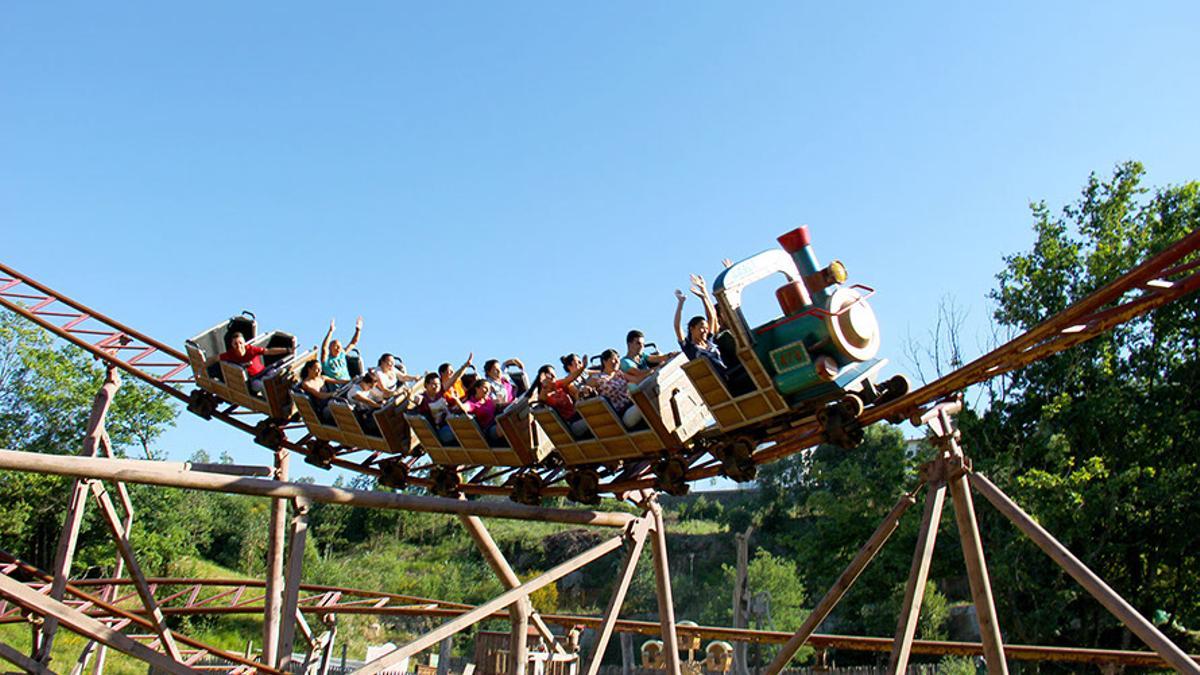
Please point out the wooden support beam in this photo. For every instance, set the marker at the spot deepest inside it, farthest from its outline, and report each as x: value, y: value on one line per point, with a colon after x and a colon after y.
x: 486, y: 609
x: 508, y: 578
x: 977, y: 574
x: 86, y: 626
x: 1092, y: 583
x: 518, y: 650
x: 147, y: 473
x: 121, y: 539
x: 637, y: 540
x: 63, y: 557
x: 273, y: 603
x: 666, y: 603
x: 291, y: 591
x: 914, y: 592
x: 834, y: 595
x: 23, y: 662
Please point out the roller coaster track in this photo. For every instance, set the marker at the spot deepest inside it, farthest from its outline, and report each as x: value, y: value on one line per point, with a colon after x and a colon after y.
x: 1161, y: 279
x: 226, y: 597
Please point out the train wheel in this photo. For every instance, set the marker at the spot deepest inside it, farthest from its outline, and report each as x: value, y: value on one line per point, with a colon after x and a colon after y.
x: 445, y: 480
x: 583, y: 486
x: 737, y: 460
x: 268, y: 434
x: 670, y: 475
x: 393, y: 473
x: 202, y: 403
x: 895, y: 387
x: 526, y: 489
x: 320, y: 453
x: 850, y: 406
x: 841, y: 429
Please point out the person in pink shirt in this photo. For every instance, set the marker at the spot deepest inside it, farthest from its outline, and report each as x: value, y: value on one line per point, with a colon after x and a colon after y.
x: 481, y: 404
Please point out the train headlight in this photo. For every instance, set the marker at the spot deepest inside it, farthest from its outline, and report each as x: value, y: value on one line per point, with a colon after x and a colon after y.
x: 836, y: 272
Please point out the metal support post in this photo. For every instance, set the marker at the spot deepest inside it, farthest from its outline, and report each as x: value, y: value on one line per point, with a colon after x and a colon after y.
x: 834, y: 595
x: 637, y: 540
x: 291, y: 591
x: 1092, y: 583
x: 276, y: 537
x: 914, y: 592
x: 488, y: 608
x: 662, y: 577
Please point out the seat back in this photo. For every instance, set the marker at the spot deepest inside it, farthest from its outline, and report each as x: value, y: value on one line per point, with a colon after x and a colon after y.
x: 312, y: 419
x: 731, y: 412
x: 351, y: 430
x: 428, y: 437
x: 616, y: 441
x: 527, y: 439
x: 397, y: 433
x: 671, y: 405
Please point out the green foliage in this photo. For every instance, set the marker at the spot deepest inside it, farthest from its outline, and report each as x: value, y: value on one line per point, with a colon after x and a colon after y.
x: 46, y: 394
x: 1099, y: 443
x: 956, y: 665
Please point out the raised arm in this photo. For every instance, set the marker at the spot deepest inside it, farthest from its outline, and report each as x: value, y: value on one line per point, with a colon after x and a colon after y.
x: 357, y: 332
x: 710, y: 310
x: 459, y: 373
x: 325, y: 342
x: 679, y: 315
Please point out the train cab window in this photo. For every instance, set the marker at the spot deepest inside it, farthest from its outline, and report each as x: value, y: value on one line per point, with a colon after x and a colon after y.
x: 761, y: 302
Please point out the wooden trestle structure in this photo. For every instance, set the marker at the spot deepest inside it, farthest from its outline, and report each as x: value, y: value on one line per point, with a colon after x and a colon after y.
x: 97, y: 610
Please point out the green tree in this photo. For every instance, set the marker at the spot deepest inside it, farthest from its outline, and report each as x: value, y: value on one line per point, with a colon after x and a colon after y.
x: 46, y: 394
x: 1099, y: 443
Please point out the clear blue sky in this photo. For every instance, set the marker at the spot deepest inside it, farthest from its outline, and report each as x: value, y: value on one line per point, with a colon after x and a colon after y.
x: 531, y: 179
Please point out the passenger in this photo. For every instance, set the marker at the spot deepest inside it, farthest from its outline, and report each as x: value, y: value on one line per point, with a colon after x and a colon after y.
x: 251, y: 358
x: 573, y: 362
x: 366, y: 397
x: 501, y: 386
x: 365, y: 394
x: 392, y: 375
x: 433, y: 406
x: 561, y: 396
x: 637, y: 364
x: 318, y: 388
x: 481, y: 404
x: 698, y: 341
x: 610, y: 382
x: 333, y: 357
x: 456, y: 388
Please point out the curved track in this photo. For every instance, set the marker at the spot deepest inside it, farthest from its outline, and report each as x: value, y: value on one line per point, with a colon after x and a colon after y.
x: 1159, y: 280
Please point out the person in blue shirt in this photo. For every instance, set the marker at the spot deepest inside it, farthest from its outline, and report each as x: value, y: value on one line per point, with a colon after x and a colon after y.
x: 637, y: 364
x: 333, y: 356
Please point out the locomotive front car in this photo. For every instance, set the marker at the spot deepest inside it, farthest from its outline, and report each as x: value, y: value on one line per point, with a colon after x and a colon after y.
x: 822, y: 349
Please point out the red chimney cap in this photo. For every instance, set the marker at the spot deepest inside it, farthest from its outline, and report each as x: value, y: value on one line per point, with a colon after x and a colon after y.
x: 795, y: 240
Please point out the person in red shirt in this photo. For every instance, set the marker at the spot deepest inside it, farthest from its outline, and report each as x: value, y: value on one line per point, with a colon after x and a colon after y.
x: 250, y: 357
x: 561, y: 394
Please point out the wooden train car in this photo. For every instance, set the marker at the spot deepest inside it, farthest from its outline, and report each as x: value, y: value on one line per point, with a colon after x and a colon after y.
x: 229, y: 381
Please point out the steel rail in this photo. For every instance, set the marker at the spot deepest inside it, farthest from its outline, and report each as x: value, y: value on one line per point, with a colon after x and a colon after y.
x: 453, y: 609
x: 97, y: 604
x: 1082, y: 321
